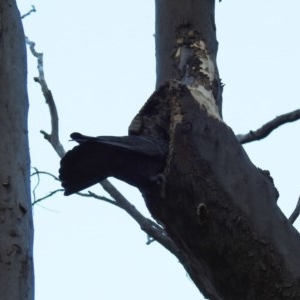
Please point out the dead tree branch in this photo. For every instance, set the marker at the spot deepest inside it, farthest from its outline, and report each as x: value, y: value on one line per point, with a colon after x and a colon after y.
x: 35, y: 201
x: 267, y: 128
x: 147, y: 225
x: 89, y: 194
x: 38, y: 173
x: 295, y: 213
x: 53, y: 137
x: 32, y: 10
x: 151, y: 228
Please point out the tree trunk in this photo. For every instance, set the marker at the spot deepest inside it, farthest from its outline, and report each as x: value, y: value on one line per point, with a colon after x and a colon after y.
x: 186, y: 45
x: 218, y: 208
x: 16, y: 264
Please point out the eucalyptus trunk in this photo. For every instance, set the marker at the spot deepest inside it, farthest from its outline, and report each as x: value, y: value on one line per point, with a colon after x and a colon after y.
x: 16, y: 227
x: 218, y: 208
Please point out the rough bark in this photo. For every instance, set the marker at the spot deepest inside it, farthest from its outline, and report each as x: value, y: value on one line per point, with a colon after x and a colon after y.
x: 218, y: 208
x: 16, y: 264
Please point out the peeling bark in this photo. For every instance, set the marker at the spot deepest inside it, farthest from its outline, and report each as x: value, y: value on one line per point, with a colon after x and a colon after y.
x: 217, y: 207
x: 186, y: 46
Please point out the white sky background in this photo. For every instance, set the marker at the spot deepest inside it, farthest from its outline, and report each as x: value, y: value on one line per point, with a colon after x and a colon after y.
x: 100, y: 65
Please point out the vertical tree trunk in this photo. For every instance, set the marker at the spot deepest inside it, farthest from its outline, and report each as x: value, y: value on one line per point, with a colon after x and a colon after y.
x: 175, y: 21
x: 186, y: 46
x: 217, y: 207
x: 16, y: 227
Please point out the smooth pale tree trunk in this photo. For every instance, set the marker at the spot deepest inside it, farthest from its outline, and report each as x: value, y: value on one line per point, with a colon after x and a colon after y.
x: 16, y: 227
x: 218, y: 208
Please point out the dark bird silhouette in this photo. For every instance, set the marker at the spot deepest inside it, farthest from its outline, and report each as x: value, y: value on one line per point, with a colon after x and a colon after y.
x: 137, y: 160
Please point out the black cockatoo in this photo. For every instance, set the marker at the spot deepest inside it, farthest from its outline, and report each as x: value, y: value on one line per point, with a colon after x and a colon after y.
x: 137, y: 160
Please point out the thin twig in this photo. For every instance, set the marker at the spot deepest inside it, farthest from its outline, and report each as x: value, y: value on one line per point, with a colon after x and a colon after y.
x: 89, y: 194
x: 295, y: 213
x: 32, y: 10
x: 47, y: 196
x: 93, y: 195
x: 37, y: 184
x: 37, y: 172
x: 267, y: 128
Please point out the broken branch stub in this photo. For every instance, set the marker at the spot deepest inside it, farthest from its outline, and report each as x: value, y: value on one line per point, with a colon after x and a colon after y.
x: 218, y: 208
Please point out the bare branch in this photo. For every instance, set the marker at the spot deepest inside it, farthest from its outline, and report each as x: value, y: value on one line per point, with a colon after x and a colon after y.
x: 37, y: 184
x: 32, y: 10
x: 89, y: 194
x: 153, y: 230
x: 295, y: 213
x: 53, y: 137
x: 150, y: 227
x: 266, y: 129
x: 47, y: 196
x: 37, y: 172
x: 147, y: 225
x: 93, y: 195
